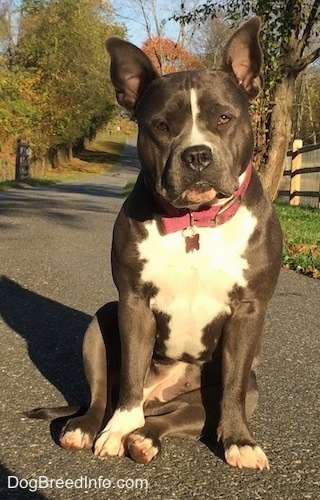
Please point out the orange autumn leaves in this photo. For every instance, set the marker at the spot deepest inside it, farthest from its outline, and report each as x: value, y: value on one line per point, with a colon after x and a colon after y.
x: 168, y: 56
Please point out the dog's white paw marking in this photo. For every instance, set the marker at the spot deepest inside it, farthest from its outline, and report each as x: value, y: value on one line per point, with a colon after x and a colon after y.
x: 75, y: 440
x: 110, y: 441
x: 247, y: 456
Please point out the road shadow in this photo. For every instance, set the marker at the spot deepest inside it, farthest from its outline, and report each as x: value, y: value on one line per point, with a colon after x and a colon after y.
x: 14, y: 488
x: 53, y: 333
x: 91, y: 189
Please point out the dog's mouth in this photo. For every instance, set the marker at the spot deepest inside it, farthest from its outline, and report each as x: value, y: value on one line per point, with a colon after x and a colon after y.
x: 201, y: 193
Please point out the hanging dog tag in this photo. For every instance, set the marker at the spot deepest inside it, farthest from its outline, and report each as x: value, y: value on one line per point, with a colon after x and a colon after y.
x: 191, y: 238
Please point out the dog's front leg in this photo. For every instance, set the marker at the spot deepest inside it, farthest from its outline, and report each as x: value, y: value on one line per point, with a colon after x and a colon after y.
x: 137, y: 326
x: 241, y: 347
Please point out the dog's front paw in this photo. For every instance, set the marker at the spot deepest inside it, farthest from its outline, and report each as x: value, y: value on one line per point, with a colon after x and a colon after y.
x: 79, y: 433
x: 249, y: 456
x: 141, y: 448
x: 110, y: 442
x: 75, y: 440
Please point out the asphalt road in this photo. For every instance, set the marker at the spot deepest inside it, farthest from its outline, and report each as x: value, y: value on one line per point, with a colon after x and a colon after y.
x: 54, y: 262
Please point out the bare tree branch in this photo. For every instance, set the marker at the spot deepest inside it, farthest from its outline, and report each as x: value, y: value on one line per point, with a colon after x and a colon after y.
x: 303, y: 63
x: 310, y: 23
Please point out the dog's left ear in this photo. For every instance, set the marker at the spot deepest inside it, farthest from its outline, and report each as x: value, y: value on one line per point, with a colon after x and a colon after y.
x: 243, y: 56
x: 131, y: 71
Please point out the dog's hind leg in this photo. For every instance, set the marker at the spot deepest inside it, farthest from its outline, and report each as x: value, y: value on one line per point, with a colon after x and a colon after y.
x: 183, y: 417
x: 193, y: 414
x: 101, y: 357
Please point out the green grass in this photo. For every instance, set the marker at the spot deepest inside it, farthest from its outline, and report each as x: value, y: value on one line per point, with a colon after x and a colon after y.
x: 64, y: 174
x: 48, y: 180
x: 7, y: 185
x: 129, y: 187
x: 301, y: 230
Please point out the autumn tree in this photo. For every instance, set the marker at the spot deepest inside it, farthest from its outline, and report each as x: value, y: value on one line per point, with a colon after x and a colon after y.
x: 56, y: 91
x: 289, y: 27
x: 62, y: 42
x: 19, y: 100
x: 167, y: 44
x: 169, y: 56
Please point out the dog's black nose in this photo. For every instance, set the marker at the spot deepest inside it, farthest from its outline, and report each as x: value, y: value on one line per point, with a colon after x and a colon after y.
x: 197, y: 157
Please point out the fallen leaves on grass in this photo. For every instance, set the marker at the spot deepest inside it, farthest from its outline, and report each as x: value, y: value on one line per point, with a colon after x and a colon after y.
x: 304, y: 258
x: 306, y: 248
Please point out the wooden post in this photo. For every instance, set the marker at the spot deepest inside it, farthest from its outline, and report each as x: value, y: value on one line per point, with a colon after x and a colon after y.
x: 17, y: 172
x: 295, y: 185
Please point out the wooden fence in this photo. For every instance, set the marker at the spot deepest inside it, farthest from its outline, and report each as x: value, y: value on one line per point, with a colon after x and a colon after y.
x: 300, y: 184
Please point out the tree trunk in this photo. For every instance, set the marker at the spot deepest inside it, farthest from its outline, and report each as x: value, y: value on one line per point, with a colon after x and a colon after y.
x: 60, y: 155
x: 279, y: 133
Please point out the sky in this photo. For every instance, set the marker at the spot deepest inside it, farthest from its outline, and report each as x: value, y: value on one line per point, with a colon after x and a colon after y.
x: 129, y: 13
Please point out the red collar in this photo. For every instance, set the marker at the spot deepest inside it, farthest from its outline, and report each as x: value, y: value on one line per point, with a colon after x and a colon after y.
x: 180, y: 219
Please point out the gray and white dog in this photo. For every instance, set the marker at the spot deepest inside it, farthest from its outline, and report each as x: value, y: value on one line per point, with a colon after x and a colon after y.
x: 196, y: 255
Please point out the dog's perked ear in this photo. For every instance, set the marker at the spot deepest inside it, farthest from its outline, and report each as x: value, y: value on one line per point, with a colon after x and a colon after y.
x: 243, y: 56
x: 131, y: 71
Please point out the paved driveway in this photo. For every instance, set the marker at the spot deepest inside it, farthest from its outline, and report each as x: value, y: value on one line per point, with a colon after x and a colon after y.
x: 54, y: 262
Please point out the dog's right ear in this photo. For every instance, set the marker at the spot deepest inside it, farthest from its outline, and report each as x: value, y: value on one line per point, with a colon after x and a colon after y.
x: 131, y: 71
x: 243, y: 57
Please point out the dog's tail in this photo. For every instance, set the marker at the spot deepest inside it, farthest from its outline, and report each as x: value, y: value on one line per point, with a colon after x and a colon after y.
x: 59, y: 412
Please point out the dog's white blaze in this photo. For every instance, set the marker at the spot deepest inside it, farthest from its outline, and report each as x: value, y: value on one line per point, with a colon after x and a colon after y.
x: 193, y: 288
x: 196, y: 137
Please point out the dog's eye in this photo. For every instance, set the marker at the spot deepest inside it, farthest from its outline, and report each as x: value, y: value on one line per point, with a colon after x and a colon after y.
x: 162, y: 126
x: 223, y: 119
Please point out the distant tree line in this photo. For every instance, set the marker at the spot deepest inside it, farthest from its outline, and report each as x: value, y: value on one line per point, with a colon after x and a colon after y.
x: 54, y: 72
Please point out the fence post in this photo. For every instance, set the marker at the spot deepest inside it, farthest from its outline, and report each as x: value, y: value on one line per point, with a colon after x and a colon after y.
x: 22, y: 160
x: 295, y: 184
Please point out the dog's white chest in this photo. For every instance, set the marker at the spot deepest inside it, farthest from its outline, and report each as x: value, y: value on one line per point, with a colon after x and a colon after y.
x: 193, y: 288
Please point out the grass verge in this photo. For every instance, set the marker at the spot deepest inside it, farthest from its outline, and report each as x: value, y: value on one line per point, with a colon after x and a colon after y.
x: 129, y: 187
x: 301, y: 231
